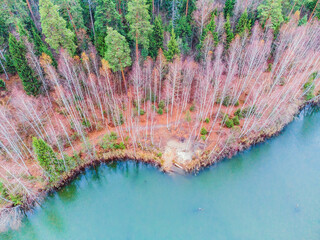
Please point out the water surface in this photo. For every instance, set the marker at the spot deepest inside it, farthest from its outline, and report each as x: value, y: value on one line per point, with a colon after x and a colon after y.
x: 268, y: 192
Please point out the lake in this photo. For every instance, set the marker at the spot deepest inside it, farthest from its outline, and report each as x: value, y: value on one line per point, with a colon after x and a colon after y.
x: 271, y: 191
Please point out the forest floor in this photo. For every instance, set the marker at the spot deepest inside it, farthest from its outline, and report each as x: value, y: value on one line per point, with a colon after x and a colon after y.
x: 179, y: 148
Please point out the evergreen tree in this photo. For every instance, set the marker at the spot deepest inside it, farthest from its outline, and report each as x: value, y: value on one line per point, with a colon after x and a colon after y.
x: 71, y: 11
x: 313, y: 6
x: 303, y: 20
x: 173, y: 48
x: 3, y: 30
x: 228, y: 8
x: 156, y: 38
x: 183, y: 10
x: 211, y: 27
x: 105, y: 15
x: 54, y: 27
x: 118, y: 51
x: 229, y: 33
x: 139, y: 21
x: 40, y: 47
x: 271, y: 9
x: 243, y: 23
x: 18, y: 52
x: 9, y: 63
x: 184, y: 32
x: 47, y: 158
x: 2, y: 85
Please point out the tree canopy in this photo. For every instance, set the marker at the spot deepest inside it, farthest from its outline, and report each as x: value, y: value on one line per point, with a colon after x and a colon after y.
x: 54, y: 27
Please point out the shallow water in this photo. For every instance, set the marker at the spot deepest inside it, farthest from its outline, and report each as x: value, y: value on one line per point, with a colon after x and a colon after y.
x: 268, y: 192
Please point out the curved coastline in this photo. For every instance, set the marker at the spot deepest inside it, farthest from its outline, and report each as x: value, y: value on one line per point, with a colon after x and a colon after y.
x: 151, y: 157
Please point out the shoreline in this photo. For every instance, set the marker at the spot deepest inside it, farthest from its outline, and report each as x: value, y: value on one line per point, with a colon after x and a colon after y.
x: 150, y: 157
x: 201, y: 163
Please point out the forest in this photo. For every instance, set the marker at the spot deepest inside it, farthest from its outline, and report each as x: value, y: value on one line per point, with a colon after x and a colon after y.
x: 182, y: 82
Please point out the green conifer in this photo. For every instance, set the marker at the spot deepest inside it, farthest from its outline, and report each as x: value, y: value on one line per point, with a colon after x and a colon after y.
x: 18, y: 52
x: 243, y: 23
x: 47, y: 158
x: 229, y: 33
x: 156, y: 38
x: 139, y: 22
x: 118, y: 51
x: 173, y: 48
x: 228, y: 8
x: 54, y: 27
x: 106, y: 15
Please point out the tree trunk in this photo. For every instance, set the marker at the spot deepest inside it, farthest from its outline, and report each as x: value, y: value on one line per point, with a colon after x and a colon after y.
x: 120, y: 7
x: 124, y: 79
x: 137, y: 49
x: 30, y: 9
x: 71, y: 20
x: 187, y: 8
x: 292, y: 8
x: 313, y: 10
x: 91, y: 18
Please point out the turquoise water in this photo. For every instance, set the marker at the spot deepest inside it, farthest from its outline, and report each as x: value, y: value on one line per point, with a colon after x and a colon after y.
x: 268, y: 192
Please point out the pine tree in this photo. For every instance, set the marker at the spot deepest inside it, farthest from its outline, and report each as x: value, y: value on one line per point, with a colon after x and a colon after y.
x: 47, y: 158
x: 118, y: 51
x: 139, y: 21
x: 229, y: 33
x: 2, y: 85
x: 271, y: 9
x: 105, y: 15
x: 156, y: 38
x: 9, y: 64
x: 211, y: 27
x: 71, y: 11
x: 184, y: 32
x: 228, y: 8
x: 18, y: 52
x: 54, y: 27
x: 243, y: 24
x: 173, y: 48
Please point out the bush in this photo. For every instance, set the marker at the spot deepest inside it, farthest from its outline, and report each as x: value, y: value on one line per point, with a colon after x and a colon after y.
x: 269, y: 67
x: 192, y: 108
x: 154, y: 108
x: 203, y: 137
x: 238, y: 113
x: 113, y: 136
x: 142, y: 112
x: 160, y: 111
x: 161, y: 104
x: 226, y: 101
x: 308, y: 88
x: 159, y: 154
x: 203, y: 131
x: 207, y: 120
x: 229, y: 123
x: 2, y: 85
x: 3, y: 190
x: 86, y: 123
x: 120, y: 146
x: 16, y: 199
x: 236, y: 121
x: 313, y: 76
x: 309, y: 96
